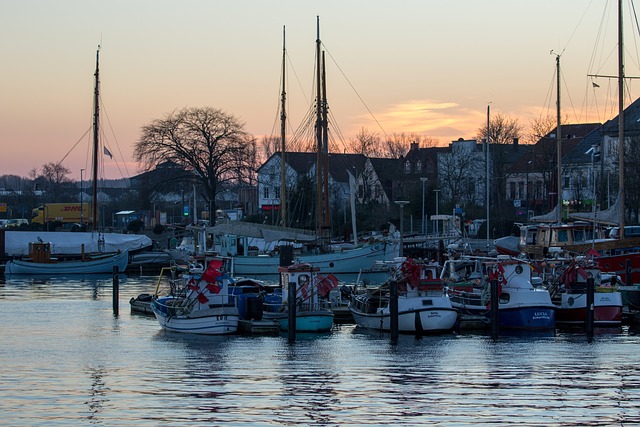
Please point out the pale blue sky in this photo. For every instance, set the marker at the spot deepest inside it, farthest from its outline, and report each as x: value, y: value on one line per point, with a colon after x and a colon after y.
x: 423, y: 66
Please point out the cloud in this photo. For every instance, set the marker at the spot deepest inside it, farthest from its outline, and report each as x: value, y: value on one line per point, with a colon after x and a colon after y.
x: 446, y: 121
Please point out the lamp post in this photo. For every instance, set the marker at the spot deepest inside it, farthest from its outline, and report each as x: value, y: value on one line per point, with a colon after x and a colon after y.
x: 81, y: 196
x: 437, y: 205
x: 424, y: 229
x: 401, y: 203
x: 527, y: 188
x: 594, y: 149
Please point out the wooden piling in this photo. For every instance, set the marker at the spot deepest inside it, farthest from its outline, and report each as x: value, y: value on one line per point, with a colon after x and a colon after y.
x: 495, y: 309
x: 291, y: 307
x: 589, y: 321
x: 393, y: 311
x: 116, y: 291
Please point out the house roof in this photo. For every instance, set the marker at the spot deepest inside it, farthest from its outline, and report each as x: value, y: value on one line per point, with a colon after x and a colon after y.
x: 573, y: 135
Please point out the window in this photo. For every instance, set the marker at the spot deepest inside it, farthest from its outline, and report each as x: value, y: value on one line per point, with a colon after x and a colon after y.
x: 407, y: 166
x: 418, y: 166
x: 276, y: 192
x: 265, y: 192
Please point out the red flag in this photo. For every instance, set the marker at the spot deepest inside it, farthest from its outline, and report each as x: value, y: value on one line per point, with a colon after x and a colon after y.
x: 212, y: 273
x: 193, y: 285
x: 213, y: 288
x: 303, y: 292
x: 202, y: 299
x: 326, y: 284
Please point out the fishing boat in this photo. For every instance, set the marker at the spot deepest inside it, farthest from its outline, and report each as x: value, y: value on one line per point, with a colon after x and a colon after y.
x: 569, y: 293
x: 197, y: 303
x: 40, y: 262
x: 312, y: 306
x: 423, y: 304
x: 521, y: 304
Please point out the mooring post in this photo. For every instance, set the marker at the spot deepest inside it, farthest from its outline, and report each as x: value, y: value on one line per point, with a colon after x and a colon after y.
x: 116, y: 291
x: 291, y: 307
x: 590, y: 303
x: 495, y: 309
x: 393, y: 311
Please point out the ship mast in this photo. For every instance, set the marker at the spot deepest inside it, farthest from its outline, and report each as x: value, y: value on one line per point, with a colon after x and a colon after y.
x: 96, y: 141
x: 621, y: 193
x: 558, y: 144
x: 283, y: 130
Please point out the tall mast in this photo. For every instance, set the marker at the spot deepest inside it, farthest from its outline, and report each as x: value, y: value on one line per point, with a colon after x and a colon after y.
x: 283, y: 131
x: 621, y: 192
x: 559, y: 144
x: 318, y: 135
x: 325, y: 152
x: 96, y: 141
x: 486, y: 178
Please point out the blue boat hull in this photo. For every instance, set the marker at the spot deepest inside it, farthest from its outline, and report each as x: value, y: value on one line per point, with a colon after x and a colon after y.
x: 528, y: 318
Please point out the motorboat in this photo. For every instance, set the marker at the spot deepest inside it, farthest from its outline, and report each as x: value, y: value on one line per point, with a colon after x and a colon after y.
x: 423, y: 304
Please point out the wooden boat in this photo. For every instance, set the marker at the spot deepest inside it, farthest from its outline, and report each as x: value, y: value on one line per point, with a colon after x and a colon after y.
x: 40, y: 261
x: 423, y: 304
x: 197, y: 303
x: 521, y: 305
x: 569, y: 293
x: 313, y: 309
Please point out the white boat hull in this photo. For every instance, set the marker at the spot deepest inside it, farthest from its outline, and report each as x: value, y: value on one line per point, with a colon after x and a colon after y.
x: 415, y: 315
x: 351, y: 261
x: 93, y: 266
x: 214, y: 321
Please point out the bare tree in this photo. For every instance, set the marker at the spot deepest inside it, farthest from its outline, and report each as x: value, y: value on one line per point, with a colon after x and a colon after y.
x: 367, y: 143
x: 268, y: 146
x: 541, y: 126
x: 504, y: 129
x: 53, y: 177
x: 210, y: 143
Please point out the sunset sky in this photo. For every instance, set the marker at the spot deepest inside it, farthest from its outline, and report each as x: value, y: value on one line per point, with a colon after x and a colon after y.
x: 423, y: 66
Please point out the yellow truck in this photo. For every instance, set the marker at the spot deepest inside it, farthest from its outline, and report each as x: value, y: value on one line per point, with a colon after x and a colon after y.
x: 62, y: 212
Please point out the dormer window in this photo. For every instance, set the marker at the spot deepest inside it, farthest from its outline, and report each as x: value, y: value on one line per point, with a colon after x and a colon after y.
x: 407, y: 166
x: 418, y: 166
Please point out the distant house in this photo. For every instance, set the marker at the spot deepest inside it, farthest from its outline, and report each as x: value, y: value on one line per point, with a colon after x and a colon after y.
x: 462, y: 172
x: 303, y: 164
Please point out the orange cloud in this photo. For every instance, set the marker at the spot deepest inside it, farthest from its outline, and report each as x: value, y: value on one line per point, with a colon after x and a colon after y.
x: 446, y: 121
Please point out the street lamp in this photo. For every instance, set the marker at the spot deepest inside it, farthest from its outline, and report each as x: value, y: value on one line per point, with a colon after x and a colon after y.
x: 401, y: 203
x: 437, y: 205
x: 81, y: 195
x: 424, y: 180
x: 527, y: 189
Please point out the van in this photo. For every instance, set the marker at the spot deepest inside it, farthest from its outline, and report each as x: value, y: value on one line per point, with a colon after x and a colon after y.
x: 629, y: 231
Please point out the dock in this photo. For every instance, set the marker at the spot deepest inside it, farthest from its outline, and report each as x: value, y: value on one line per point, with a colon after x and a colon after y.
x: 258, y: 327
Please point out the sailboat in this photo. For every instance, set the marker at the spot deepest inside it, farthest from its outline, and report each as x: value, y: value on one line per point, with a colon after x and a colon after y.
x: 42, y: 259
x: 235, y: 238
x: 584, y: 235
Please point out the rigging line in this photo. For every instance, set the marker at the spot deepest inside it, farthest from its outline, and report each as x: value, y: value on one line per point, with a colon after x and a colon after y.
x: 356, y: 92
x: 599, y: 39
x: 635, y: 16
x: 569, y: 95
x: 74, y: 145
x: 578, y: 24
x: 106, y: 114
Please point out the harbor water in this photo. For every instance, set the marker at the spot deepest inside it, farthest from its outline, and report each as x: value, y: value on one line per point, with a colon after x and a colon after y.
x: 67, y: 360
